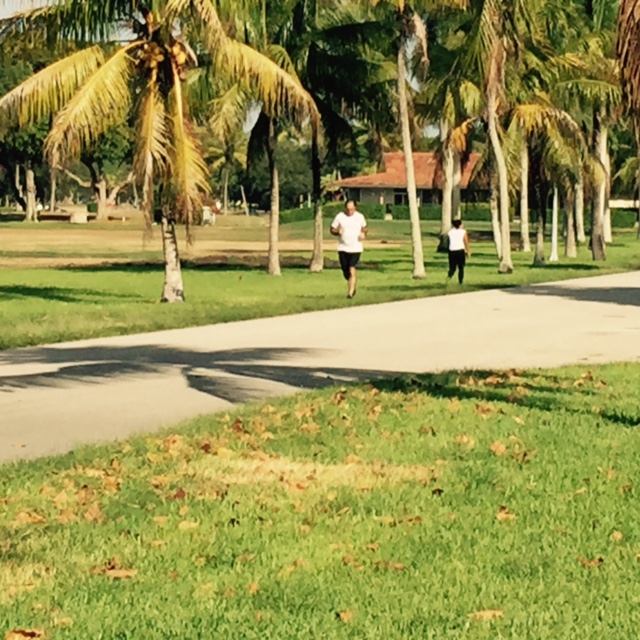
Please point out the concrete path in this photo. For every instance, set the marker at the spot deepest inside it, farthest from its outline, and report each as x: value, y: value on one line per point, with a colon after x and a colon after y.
x: 53, y: 398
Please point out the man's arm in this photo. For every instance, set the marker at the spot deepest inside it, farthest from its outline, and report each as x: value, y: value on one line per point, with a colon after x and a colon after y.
x: 335, y: 231
x: 467, y: 246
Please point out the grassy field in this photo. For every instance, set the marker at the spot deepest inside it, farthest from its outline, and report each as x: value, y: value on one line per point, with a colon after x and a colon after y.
x: 61, y: 282
x: 484, y: 505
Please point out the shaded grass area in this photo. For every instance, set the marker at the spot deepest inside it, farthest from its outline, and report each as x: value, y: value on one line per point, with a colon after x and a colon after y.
x: 477, y: 505
x: 41, y: 305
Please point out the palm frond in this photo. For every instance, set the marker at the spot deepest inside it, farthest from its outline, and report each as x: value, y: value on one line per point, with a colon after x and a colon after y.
x: 228, y: 112
x: 628, y: 51
x: 151, y: 145
x: 188, y: 170
x: 47, y: 91
x: 102, y: 101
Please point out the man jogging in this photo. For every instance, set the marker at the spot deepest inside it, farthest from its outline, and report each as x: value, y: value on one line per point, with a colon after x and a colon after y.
x: 458, y: 250
x: 351, y: 226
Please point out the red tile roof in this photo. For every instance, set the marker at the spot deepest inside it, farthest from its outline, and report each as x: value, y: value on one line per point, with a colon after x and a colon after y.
x: 427, y: 167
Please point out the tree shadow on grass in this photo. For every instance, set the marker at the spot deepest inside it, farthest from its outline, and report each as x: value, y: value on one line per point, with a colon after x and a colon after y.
x: 59, y: 294
x: 241, y: 375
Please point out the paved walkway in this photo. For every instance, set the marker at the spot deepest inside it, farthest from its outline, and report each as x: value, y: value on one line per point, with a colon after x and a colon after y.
x: 53, y: 398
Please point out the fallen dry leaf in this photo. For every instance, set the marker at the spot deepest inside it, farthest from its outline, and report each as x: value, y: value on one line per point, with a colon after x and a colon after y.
x: 627, y: 488
x: 161, y: 520
x: 465, y: 440
x: 498, y: 448
x: 484, y: 410
x: 188, y: 525
x: 119, y: 574
x: 392, y: 566
x: 487, y: 615
x: 519, y: 420
x: 616, y: 536
x: 66, y: 516
x: 63, y: 622
x: 504, y: 515
x: 373, y: 546
x: 94, y: 513
x: 345, y: 616
x: 28, y: 517
x: 21, y: 634
x: 590, y: 564
x: 253, y: 588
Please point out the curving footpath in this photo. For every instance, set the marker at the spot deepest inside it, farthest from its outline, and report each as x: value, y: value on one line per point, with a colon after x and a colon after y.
x: 56, y: 397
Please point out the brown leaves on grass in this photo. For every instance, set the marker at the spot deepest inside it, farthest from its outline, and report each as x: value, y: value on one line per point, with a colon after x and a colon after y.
x: 465, y: 440
x: 23, y: 634
x: 113, y: 569
x: 486, y: 615
x: 385, y: 565
x: 188, y: 525
x: 591, y: 564
x: 253, y: 588
x: 288, y: 570
x: 616, y: 536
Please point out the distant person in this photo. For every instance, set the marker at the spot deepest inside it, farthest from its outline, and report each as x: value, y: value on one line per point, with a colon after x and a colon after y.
x: 350, y: 225
x: 459, y: 250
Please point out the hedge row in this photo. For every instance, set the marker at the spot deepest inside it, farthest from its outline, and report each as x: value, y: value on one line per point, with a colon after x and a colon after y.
x: 472, y: 212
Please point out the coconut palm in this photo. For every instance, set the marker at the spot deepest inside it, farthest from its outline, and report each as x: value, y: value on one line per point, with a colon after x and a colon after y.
x: 94, y: 89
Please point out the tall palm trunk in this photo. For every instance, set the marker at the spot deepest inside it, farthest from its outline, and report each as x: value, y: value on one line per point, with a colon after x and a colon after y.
x: 605, y: 159
x: 52, y: 199
x: 414, y: 213
x: 495, y: 216
x: 506, y: 264
x: 317, y: 259
x: 19, y: 190
x: 274, y: 214
x: 570, y: 247
x: 555, y: 211
x: 30, y: 180
x: 525, y: 239
x: 599, y: 206
x: 173, y: 289
x: 456, y: 196
x: 538, y: 257
x: 225, y: 190
x: 579, y: 208
x: 447, y: 184
x: 101, y: 195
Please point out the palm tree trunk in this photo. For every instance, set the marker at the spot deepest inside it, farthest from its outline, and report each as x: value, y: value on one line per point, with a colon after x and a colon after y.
x: 538, y: 257
x: 525, y: 239
x: 414, y: 213
x: 580, y: 233
x: 606, y: 163
x: 274, y: 214
x: 554, y: 257
x: 173, y: 289
x: 495, y: 216
x: 30, y: 180
x: 506, y: 265
x: 22, y: 204
x: 447, y: 184
x: 225, y: 191
x: 245, y: 204
x: 570, y: 247
x: 456, y: 197
x: 101, y: 195
x: 54, y: 182
x: 597, y: 221
x: 317, y: 258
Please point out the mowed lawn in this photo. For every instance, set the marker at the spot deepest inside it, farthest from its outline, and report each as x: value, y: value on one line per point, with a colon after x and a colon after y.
x: 460, y: 505
x: 100, y: 281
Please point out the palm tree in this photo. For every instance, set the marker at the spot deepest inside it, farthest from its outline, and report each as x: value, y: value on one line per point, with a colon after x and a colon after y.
x: 89, y: 92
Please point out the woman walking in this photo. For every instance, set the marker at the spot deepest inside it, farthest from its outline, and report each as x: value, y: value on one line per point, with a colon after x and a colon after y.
x: 458, y: 250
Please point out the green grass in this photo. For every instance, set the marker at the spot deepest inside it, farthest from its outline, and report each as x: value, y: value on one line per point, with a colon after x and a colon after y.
x: 41, y: 305
x: 378, y: 502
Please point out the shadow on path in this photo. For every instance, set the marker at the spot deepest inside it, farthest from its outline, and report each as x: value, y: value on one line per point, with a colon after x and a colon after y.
x: 629, y: 296
x: 235, y: 375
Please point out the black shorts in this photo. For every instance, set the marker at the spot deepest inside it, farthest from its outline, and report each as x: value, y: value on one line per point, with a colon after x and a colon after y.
x: 348, y: 260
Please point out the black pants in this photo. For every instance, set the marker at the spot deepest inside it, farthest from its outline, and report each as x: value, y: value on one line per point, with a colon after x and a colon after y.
x: 348, y: 260
x: 457, y: 260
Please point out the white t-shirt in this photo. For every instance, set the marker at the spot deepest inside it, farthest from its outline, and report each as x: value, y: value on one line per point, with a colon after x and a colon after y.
x: 456, y: 239
x: 352, y: 227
